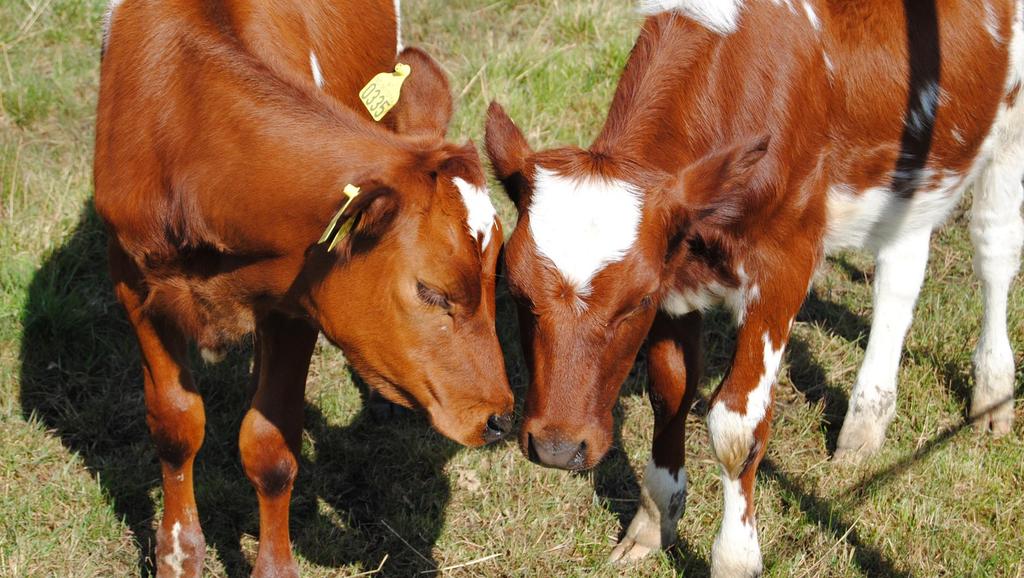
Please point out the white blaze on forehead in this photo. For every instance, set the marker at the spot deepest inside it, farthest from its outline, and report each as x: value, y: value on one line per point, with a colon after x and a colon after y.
x: 479, y: 210
x: 721, y: 16
x: 314, y: 67
x: 583, y: 225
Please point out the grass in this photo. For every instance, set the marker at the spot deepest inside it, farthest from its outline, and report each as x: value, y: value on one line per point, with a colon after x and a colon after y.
x: 79, y: 483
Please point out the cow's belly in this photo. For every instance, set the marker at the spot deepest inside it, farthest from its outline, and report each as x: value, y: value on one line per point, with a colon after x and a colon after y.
x: 872, y: 217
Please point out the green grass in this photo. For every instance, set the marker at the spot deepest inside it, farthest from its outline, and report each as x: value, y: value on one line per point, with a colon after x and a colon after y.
x: 79, y: 483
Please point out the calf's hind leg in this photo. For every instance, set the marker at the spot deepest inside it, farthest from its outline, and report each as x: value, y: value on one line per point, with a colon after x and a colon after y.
x: 174, y: 412
x: 271, y: 434
x: 997, y: 233
x: 674, y: 362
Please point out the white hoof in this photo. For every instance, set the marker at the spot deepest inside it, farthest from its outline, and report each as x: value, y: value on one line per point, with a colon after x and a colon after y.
x: 736, y: 554
x: 642, y: 538
x: 992, y: 402
x: 861, y: 437
x: 662, y: 502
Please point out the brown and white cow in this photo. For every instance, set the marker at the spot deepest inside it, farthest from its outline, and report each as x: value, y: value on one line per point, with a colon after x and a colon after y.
x: 746, y: 139
x: 225, y: 136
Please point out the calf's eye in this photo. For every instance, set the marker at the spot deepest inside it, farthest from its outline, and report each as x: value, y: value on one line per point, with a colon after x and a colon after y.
x: 432, y: 296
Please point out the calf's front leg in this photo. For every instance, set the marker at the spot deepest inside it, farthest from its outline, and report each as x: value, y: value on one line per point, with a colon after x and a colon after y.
x: 674, y: 365
x: 271, y: 434
x: 176, y: 419
x: 739, y: 422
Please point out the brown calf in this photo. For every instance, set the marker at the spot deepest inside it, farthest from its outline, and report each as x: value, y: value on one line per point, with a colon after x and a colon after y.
x: 746, y: 139
x: 224, y: 140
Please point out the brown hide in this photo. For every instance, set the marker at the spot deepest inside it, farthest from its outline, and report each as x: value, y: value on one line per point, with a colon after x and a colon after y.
x: 863, y: 117
x: 219, y: 163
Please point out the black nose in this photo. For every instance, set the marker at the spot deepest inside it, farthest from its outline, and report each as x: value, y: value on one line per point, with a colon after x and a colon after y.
x: 557, y: 453
x: 498, y: 426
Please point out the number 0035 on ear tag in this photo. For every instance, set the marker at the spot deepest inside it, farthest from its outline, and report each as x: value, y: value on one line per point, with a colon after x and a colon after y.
x: 382, y: 92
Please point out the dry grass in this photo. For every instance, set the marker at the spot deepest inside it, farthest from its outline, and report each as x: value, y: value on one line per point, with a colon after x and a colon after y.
x: 79, y: 480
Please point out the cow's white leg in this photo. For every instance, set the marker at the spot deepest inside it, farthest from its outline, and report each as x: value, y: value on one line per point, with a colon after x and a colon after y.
x: 998, y: 233
x: 899, y: 272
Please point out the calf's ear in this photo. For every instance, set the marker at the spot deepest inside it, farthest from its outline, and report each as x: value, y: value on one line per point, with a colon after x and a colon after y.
x: 425, y: 107
x: 723, y: 188
x: 508, y: 150
x: 716, y: 193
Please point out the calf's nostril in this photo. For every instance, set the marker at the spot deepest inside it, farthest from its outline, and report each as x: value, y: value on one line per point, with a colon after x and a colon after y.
x: 500, y: 423
x: 578, y: 458
x: 497, y: 427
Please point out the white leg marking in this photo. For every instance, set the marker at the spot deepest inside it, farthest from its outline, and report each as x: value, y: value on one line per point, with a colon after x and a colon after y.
x: 480, y: 213
x: 314, y: 67
x: 898, y: 276
x: 662, y: 503
x: 721, y: 16
x: 997, y: 232
x: 398, y: 25
x: 177, y: 557
x: 736, y: 552
x: 582, y: 225
x: 726, y: 425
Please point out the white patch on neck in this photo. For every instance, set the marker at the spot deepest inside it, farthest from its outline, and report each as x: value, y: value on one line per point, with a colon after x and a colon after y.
x: 212, y: 356
x: 314, y: 67
x: 398, y: 26
x: 583, y: 225
x: 811, y: 15
x: 721, y: 16
x: 177, y: 557
x: 786, y: 3
x: 992, y: 22
x: 480, y: 213
x: 108, y: 18
x: 678, y: 303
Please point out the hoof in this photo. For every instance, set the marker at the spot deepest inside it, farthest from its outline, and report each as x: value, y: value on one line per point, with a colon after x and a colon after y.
x: 651, y: 529
x: 266, y: 568
x: 640, y: 540
x: 992, y: 402
x: 997, y: 422
x: 858, y: 442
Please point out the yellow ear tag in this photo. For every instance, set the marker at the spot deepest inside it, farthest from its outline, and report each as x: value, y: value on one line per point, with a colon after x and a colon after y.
x: 351, y: 191
x: 382, y: 92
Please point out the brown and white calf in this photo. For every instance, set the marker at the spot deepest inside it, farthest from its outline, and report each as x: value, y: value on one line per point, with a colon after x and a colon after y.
x: 746, y: 139
x: 225, y: 135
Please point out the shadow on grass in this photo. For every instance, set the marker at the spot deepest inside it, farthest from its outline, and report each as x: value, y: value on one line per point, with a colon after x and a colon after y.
x: 372, y: 489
